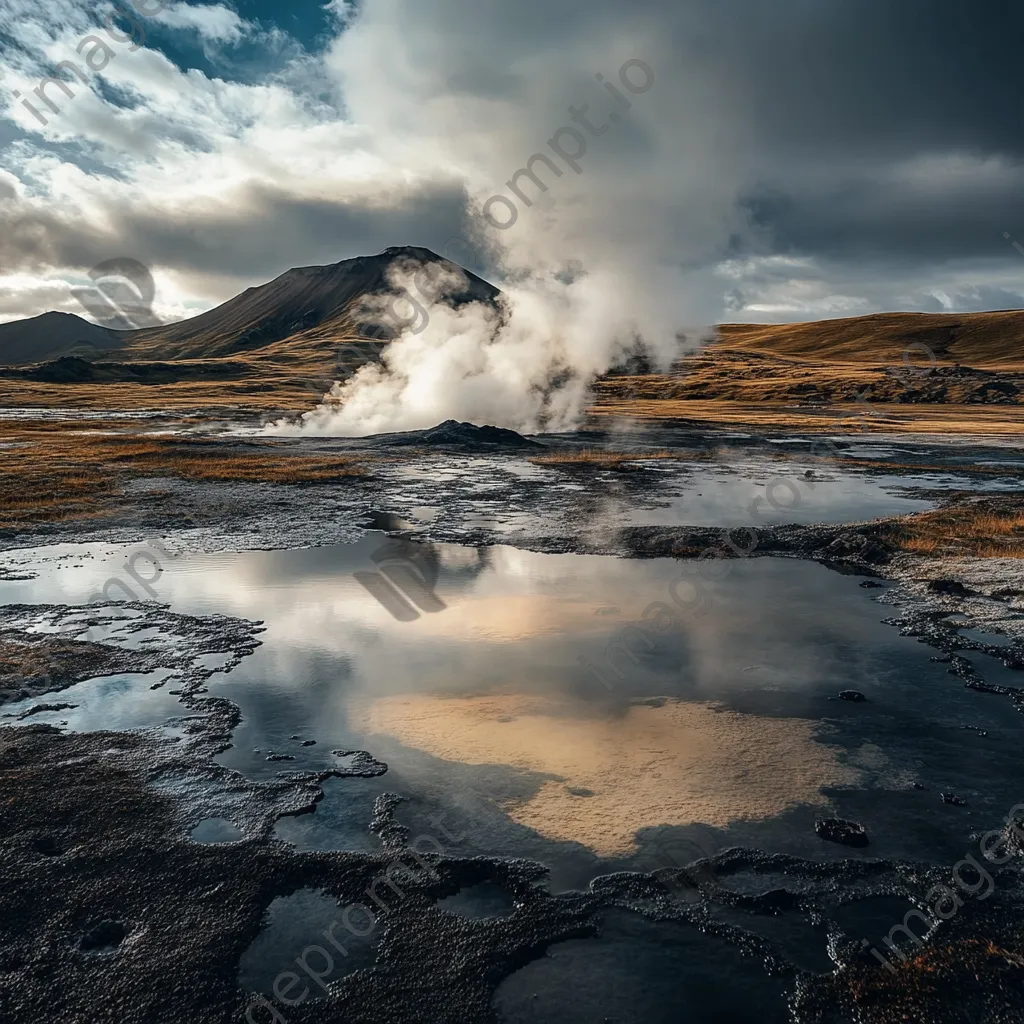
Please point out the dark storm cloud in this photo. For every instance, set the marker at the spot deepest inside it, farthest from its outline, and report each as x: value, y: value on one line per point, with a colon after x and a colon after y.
x: 880, y: 142
x: 888, y: 131
x: 815, y: 78
x: 259, y: 232
x: 841, y: 100
x: 924, y: 218
x: 809, y: 76
x: 841, y: 119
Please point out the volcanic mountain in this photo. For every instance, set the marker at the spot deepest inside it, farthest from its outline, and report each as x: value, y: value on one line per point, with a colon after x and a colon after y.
x: 299, y: 317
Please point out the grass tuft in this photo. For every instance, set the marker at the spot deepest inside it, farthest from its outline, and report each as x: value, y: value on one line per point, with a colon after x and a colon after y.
x: 73, y: 470
x: 980, y: 529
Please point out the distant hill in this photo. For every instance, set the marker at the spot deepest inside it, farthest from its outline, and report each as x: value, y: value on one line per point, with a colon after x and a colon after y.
x: 303, y: 311
x: 52, y: 335
x: 298, y: 317
x: 974, y: 339
x: 298, y: 320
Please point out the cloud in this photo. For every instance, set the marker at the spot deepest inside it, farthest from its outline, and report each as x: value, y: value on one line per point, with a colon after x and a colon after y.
x: 213, y: 22
x: 875, y: 147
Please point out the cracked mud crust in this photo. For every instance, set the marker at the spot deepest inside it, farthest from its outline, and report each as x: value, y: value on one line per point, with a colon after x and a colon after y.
x: 41, y: 650
x: 110, y: 913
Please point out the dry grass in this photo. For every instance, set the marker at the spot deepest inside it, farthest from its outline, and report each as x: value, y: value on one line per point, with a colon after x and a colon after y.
x: 755, y: 388
x: 728, y: 376
x: 980, y: 339
x: 591, y: 457
x: 267, y: 386
x: 74, y: 470
x: 274, y: 469
x: 995, y: 420
x: 984, y: 528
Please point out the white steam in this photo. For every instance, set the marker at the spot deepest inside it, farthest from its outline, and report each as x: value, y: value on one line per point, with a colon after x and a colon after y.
x: 612, y: 243
x: 526, y: 363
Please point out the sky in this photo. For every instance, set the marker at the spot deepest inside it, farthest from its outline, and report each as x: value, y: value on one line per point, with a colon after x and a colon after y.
x: 787, y: 161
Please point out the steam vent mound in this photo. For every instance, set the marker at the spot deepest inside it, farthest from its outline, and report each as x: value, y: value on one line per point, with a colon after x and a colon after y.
x: 463, y: 436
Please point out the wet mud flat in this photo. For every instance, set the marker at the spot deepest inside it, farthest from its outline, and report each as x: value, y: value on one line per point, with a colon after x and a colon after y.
x: 478, y: 488
x: 112, y: 913
x: 112, y: 909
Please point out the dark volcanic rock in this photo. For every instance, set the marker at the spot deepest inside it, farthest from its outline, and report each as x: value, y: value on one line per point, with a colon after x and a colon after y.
x: 392, y: 834
x: 140, y: 924
x: 853, y: 545
x: 464, y: 436
x: 854, y: 696
x: 361, y: 764
x: 954, y: 800
x: 33, y: 662
x: 951, y: 588
x: 39, y: 709
x: 839, y: 830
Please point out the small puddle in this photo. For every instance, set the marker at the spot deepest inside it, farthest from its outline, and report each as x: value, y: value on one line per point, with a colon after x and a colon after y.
x: 103, y: 938
x: 216, y: 831
x: 344, y: 942
x: 874, y: 918
x: 486, y: 899
x: 640, y: 972
x: 107, y: 702
x: 981, y: 637
x: 805, y: 944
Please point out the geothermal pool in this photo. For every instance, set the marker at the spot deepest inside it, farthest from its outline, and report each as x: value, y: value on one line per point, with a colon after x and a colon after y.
x: 590, y: 713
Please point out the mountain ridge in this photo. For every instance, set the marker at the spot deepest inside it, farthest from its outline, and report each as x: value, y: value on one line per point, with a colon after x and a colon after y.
x: 299, y: 316
x: 53, y: 334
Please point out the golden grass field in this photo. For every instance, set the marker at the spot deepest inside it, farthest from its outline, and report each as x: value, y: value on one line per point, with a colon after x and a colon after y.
x: 58, y: 470
x: 843, y: 418
x: 994, y: 340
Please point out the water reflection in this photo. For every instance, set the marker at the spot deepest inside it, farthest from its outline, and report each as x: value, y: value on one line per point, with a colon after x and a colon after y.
x: 606, y: 777
x: 716, y: 496
x: 123, y: 701
x: 532, y: 665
